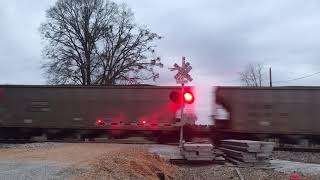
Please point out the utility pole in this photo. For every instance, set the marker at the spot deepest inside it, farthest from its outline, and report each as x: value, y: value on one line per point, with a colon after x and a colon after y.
x: 270, y: 77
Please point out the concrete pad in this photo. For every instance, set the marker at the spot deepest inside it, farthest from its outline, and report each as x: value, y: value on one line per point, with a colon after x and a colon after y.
x: 200, y: 158
x: 197, y: 147
x: 258, y: 145
x: 195, y: 153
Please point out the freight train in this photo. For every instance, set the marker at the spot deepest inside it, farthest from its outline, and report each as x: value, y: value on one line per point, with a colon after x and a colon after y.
x: 288, y: 114
x: 90, y: 111
x: 284, y: 113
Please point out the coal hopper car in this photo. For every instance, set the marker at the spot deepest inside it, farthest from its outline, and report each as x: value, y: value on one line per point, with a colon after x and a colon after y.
x: 270, y: 112
x: 26, y: 110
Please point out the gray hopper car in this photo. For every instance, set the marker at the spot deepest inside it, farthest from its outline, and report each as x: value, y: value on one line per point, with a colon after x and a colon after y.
x: 277, y: 110
x: 87, y: 107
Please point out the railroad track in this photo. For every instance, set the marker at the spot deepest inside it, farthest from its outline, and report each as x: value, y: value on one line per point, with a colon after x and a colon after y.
x: 117, y: 141
x: 133, y: 141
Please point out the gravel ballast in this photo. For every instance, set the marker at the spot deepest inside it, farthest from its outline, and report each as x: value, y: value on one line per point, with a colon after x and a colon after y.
x: 227, y: 172
x: 205, y: 172
x: 306, y: 157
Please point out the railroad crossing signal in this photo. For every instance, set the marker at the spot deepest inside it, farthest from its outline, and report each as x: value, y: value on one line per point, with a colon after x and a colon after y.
x: 182, y: 76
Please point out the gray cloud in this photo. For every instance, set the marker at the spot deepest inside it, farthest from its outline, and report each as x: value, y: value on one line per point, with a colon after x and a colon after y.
x: 20, y: 46
x: 218, y: 37
x: 221, y: 37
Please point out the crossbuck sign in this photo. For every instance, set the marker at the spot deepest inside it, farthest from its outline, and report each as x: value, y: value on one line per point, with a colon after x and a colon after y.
x: 182, y: 76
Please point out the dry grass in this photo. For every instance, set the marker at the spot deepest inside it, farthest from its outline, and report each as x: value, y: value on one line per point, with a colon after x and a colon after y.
x: 132, y: 163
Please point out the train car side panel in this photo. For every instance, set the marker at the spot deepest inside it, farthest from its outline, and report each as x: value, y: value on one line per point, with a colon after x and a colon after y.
x: 272, y: 110
x: 80, y: 107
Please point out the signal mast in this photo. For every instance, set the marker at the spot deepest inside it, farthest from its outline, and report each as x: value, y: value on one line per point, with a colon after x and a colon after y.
x: 183, y: 77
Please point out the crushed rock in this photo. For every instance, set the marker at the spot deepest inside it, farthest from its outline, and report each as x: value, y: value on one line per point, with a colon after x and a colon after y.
x: 26, y: 169
x: 30, y: 146
x: 305, y: 169
x: 306, y: 157
x: 250, y: 173
x: 206, y: 172
x: 225, y: 172
x: 132, y: 163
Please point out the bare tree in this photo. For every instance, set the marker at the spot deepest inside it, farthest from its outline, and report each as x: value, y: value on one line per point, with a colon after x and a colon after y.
x: 252, y: 75
x: 97, y: 42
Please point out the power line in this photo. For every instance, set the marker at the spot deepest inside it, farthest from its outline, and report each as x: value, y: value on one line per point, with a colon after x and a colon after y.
x: 302, y: 77
x: 282, y: 81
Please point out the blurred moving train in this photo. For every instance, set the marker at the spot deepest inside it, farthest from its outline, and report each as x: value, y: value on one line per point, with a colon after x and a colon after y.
x: 88, y: 111
x: 154, y: 111
x: 285, y: 113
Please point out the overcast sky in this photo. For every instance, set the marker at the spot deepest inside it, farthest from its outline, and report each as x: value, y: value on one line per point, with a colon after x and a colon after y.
x: 218, y: 38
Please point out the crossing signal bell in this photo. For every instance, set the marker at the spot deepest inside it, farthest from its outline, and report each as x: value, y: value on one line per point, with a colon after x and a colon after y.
x: 188, y: 97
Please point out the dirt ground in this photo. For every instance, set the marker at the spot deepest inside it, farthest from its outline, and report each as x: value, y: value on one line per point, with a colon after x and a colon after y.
x: 116, y: 161
x: 82, y: 161
x: 74, y: 154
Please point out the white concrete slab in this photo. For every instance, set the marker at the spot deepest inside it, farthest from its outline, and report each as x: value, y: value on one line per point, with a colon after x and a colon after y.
x: 165, y: 151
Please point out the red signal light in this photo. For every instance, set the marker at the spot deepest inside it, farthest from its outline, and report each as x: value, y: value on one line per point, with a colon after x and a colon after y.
x: 100, y: 122
x: 144, y: 121
x: 188, y: 97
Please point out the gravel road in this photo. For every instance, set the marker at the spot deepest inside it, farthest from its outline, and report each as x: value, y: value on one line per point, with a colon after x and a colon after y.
x: 27, y: 170
x: 29, y: 146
